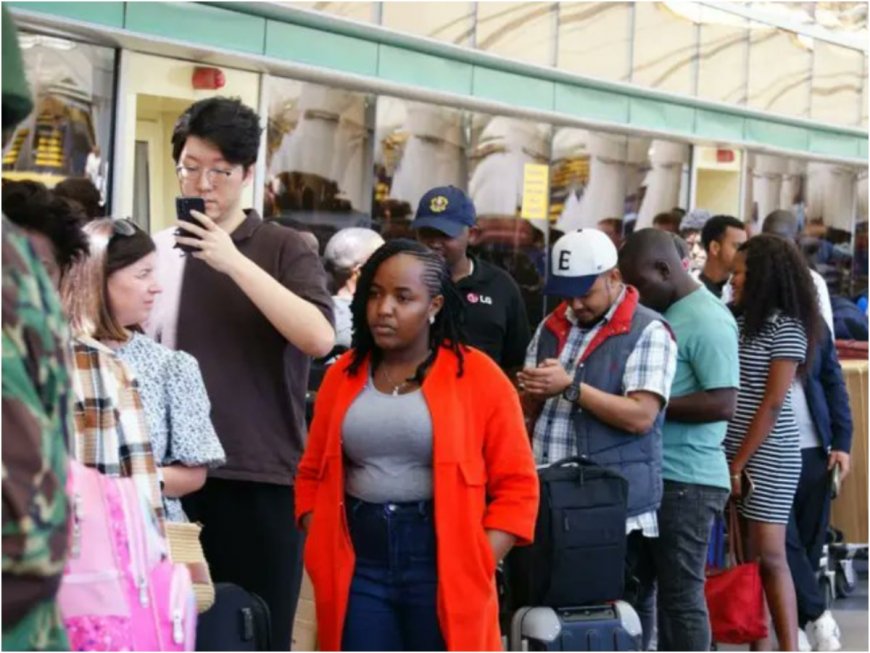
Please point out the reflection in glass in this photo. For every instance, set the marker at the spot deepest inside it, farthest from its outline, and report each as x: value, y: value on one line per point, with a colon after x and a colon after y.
x: 417, y: 147
x: 69, y: 132
x: 615, y: 169
x: 500, y: 149
x: 317, y: 157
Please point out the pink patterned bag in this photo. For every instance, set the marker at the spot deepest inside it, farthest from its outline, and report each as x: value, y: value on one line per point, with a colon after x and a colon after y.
x: 119, y: 591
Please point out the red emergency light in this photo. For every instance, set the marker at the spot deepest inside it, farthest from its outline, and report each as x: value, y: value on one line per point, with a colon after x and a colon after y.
x: 208, y: 78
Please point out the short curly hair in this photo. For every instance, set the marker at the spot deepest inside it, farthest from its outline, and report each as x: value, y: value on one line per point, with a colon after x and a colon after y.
x: 33, y: 207
x: 227, y: 123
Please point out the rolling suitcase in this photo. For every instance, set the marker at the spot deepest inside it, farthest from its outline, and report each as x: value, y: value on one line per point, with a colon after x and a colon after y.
x: 606, y: 627
x: 578, y: 555
x: 238, y: 621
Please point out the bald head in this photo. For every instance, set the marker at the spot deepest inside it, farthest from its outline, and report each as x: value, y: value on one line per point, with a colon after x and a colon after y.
x: 781, y: 223
x: 650, y: 261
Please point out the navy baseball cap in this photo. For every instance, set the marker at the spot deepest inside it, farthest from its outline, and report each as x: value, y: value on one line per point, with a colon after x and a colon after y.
x: 446, y: 209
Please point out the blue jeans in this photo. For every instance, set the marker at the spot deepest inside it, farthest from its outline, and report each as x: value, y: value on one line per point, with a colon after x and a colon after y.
x: 680, y: 556
x: 392, y: 604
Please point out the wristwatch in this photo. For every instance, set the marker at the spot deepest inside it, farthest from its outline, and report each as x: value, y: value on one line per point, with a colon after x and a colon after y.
x: 572, y: 392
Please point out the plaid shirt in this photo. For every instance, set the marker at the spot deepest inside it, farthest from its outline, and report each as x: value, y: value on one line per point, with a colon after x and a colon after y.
x: 111, y: 434
x: 650, y: 368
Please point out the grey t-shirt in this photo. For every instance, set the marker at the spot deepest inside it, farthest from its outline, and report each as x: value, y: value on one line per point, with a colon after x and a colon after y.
x: 387, y: 443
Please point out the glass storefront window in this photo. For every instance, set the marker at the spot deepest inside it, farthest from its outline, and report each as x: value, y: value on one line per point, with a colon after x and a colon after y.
x: 517, y: 30
x: 417, y: 147
x: 595, y: 39
x: 318, y: 157
x: 68, y: 134
x: 445, y: 21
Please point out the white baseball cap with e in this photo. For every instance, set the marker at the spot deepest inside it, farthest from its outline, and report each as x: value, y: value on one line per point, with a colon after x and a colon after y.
x: 577, y: 260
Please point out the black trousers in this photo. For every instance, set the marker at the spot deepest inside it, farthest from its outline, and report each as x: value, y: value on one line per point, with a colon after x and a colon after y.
x: 250, y: 538
x: 807, y: 528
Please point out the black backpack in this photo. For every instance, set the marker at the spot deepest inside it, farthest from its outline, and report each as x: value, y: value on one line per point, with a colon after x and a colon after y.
x: 238, y: 621
x: 578, y: 557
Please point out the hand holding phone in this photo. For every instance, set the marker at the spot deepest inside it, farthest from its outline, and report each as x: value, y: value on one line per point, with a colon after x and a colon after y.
x: 835, y: 480
x: 183, y: 207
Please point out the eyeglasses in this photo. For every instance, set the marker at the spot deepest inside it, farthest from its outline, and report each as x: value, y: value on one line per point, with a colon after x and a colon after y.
x: 214, y: 176
x: 124, y: 227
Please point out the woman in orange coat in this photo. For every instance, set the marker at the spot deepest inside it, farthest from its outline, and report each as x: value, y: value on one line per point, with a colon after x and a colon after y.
x: 418, y: 476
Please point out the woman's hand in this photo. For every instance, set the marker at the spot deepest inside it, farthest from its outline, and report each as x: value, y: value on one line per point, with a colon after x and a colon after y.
x: 305, y: 522
x: 500, y: 543
x: 736, y: 474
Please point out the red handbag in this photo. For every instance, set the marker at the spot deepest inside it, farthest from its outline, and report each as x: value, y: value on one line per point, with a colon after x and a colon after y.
x: 735, y: 596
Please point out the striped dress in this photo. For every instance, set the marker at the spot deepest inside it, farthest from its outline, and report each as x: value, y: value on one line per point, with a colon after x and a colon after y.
x: 776, y: 466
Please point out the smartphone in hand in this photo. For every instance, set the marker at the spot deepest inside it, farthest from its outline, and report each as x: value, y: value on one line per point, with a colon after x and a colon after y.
x: 183, y: 207
x: 835, y: 481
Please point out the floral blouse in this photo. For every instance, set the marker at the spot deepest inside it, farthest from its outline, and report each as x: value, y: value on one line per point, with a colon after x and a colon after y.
x: 177, y: 409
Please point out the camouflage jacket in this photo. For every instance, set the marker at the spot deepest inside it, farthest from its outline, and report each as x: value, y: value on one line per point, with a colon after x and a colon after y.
x: 37, y: 425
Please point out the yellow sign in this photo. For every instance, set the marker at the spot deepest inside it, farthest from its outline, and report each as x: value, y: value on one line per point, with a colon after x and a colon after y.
x: 536, y: 191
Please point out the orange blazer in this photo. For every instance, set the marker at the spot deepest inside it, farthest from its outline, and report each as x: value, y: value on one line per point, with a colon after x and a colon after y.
x: 484, y: 478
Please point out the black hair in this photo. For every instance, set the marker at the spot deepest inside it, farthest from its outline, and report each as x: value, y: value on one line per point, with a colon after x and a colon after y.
x: 33, y: 207
x: 778, y: 281
x: 229, y: 125
x: 667, y: 218
x: 715, y: 228
x: 83, y: 191
x: 446, y: 331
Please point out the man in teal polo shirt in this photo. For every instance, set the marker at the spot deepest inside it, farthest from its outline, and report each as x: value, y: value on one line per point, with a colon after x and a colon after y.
x: 703, y: 397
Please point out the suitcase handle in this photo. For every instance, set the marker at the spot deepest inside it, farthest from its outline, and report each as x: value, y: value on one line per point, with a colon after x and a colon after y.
x: 574, y: 460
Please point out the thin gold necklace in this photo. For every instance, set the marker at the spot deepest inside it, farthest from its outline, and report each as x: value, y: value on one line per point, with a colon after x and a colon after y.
x: 396, y: 386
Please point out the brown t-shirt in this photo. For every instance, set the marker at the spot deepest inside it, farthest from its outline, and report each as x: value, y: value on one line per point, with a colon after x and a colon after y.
x: 255, y: 379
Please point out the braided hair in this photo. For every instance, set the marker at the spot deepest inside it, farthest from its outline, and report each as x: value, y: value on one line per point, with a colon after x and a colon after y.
x: 446, y: 331
x: 778, y: 280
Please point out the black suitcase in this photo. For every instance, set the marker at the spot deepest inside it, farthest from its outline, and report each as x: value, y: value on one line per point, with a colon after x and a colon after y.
x: 238, y: 621
x: 578, y: 556
x: 608, y: 627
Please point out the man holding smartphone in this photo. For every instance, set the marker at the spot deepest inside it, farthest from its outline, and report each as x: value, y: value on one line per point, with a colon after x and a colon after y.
x: 598, y: 375
x: 250, y: 303
x: 703, y: 399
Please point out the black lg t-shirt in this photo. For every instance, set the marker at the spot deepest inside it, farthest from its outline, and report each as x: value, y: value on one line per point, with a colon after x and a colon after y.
x: 495, y: 316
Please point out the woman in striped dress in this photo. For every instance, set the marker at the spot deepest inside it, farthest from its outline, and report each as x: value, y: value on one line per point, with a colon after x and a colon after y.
x: 777, y: 314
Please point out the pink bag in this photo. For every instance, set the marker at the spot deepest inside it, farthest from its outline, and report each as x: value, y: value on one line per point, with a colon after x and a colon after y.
x: 119, y: 591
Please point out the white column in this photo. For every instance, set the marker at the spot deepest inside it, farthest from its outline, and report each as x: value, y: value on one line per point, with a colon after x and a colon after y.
x: 496, y: 186
x: 831, y: 194
x: 663, y: 181
x: 791, y: 183
x: 767, y: 176
x: 433, y: 154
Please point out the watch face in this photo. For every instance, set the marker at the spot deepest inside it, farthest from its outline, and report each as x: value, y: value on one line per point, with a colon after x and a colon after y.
x: 570, y: 393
